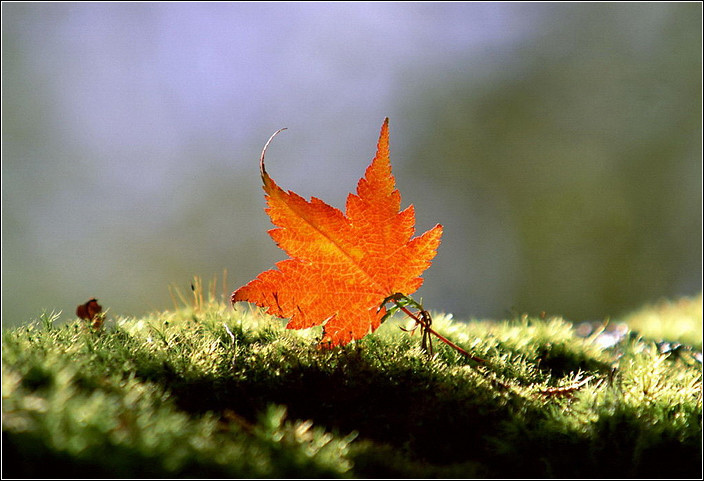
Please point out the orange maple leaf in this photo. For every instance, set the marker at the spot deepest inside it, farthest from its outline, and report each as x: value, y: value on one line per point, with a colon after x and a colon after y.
x: 342, y: 266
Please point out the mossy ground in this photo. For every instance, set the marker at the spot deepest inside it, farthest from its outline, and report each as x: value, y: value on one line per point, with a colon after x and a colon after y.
x: 206, y: 390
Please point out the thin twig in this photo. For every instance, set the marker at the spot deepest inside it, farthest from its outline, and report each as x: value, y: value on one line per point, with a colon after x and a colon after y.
x: 234, y: 345
x: 566, y: 390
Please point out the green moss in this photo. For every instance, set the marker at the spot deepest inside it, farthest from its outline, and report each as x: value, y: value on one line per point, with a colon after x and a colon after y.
x: 675, y: 321
x: 210, y: 391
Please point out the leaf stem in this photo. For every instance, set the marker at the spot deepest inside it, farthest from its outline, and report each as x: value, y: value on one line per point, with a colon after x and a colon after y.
x: 424, y: 320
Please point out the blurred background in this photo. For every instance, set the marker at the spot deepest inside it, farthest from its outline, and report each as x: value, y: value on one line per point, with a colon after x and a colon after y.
x: 560, y: 145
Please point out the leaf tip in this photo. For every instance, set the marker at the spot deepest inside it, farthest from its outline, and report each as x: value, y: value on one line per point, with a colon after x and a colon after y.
x: 382, y: 146
x: 262, y: 169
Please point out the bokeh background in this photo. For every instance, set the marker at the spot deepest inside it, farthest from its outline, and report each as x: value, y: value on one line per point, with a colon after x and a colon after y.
x: 560, y: 145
